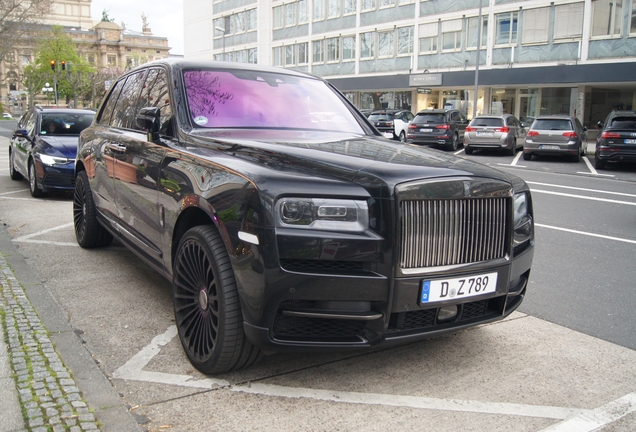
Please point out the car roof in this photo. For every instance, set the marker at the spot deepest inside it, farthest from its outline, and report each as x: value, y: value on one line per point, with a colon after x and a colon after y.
x: 387, y: 111
x: 493, y: 116
x: 616, y: 113
x: 436, y: 111
x: 555, y: 116
x: 65, y: 111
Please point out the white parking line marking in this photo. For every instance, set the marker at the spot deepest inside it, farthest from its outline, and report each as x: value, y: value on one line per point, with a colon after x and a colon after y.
x: 12, y: 192
x: 513, y: 166
x: 133, y: 370
x: 584, y: 197
x: 420, y: 402
x: 587, y: 233
x: 459, y: 151
x: 582, y: 189
x: 28, y: 238
x: 599, y: 417
x: 589, y: 165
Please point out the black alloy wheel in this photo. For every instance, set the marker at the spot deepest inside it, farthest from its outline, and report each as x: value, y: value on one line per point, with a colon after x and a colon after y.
x: 206, y: 304
x: 34, y: 188
x: 527, y: 156
x: 12, y: 172
x: 598, y: 164
x: 468, y: 150
x: 88, y: 232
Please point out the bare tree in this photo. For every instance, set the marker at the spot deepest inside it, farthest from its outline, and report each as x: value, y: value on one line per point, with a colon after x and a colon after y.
x: 18, y: 18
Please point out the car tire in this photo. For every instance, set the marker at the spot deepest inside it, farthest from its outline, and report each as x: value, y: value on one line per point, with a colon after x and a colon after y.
x: 598, y: 164
x: 513, y: 149
x: 402, y: 137
x: 527, y: 156
x: 206, y: 304
x: 577, y: 157
x: 88, y: 231
x: 34, y: 187
x: 454, y: 144
x: 12, y: 172
x: 468, y: 150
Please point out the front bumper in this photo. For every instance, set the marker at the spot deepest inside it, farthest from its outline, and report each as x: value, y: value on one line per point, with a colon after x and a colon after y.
x: 56, y: 177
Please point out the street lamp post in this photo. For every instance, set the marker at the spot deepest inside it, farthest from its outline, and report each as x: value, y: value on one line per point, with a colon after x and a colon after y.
x: 222, y: 30
x: 47, y: 90
x: 477, y: 54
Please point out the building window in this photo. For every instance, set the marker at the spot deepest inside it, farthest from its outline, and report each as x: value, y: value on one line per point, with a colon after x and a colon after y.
x: 239, y: 23
x: 112, y: 60
x: 387, y: 3
x: 386, y: 44
x: 367, y: 45
x: 535, y: 25
x: 303, y: 55
x: 252, y: 56
x: 277, y: 53
x: 428, y: 37
x: 405, y: 40
x: 290, y: 14
x: 290, y: 55
x: 26, y: 59
x: 350, y: 7
x: 251, y: 19
x: 278, y: 17
x: 403, y: 2
x: 368, y: 5
x: 10, y: 56
x: 91, y: 59
x: 506, y: 28
x: 302, y: 12
x: 570, y: 19
x: 319, y: 10
x: 333, y: 8
x: 472, y: 30
x: 607, y: 17
x: 349, y: 48
x: 319, y: 51
x: 452, y: 35
x: 333, y: 49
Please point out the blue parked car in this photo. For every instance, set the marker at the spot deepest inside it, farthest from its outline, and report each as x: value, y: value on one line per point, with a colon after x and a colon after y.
x: 44, y: 145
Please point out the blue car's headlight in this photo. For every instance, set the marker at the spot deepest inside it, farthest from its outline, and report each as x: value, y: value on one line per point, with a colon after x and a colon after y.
x: 523, y: 226
x: 323, y: 214
x: 53, y: 160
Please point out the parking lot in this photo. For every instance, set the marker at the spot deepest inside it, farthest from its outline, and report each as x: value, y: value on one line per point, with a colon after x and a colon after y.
x: 524, y: 373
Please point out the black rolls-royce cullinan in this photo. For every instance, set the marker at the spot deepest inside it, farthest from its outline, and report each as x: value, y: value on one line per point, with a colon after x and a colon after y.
x: 284, y: 219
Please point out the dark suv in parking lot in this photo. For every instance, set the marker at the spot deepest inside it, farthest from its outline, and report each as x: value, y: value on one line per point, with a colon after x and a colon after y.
x: 286, y: 222
x: 441, y: 127
x: 616, y: 141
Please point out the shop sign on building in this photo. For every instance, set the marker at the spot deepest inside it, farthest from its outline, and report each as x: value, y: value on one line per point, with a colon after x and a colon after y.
x: 427, y: 79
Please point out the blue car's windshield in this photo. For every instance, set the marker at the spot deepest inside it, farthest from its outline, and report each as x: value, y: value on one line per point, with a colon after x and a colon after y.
x: 254, y: 99
x: 64, y: 124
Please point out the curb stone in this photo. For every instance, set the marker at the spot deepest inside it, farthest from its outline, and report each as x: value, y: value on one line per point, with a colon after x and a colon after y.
x: 58, y: 354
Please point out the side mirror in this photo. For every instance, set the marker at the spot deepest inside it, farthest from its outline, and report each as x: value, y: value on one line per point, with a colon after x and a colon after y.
x: 22, y: 133
x: 599, y: 124
x: 148, y: 120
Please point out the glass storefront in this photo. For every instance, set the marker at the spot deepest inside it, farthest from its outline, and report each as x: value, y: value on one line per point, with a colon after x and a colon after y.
x: 386, y: 100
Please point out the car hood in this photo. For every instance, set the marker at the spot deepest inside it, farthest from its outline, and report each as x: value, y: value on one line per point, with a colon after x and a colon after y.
x: 65, y: 146
x: 370, y: 161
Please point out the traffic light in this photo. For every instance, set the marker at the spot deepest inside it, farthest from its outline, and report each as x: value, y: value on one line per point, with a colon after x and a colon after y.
x: 52, y: 65
x: 63, y: 65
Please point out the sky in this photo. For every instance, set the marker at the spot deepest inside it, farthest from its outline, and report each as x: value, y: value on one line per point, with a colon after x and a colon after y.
x: 165, y: 17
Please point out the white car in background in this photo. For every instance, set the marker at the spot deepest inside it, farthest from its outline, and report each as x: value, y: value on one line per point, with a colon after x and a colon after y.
x: 392, y: 123
x: 7, y: 116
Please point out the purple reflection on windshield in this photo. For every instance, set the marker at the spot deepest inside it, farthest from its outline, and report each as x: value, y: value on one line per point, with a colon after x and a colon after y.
x: 221, y: 99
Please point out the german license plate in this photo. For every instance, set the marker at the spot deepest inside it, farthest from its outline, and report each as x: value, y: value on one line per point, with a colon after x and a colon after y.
x: 485, y: 134
x: 458, y: 288
x: 388, y: 135
x: 549, y: 147
x: 426, y: 130
x: 630, y: 141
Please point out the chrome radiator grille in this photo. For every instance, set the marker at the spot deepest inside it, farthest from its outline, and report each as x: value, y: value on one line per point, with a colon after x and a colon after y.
x: 452, y: 231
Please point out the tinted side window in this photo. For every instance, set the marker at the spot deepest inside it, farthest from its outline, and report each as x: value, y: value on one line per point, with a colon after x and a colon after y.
x: 157, y: 94
x: 107, y: 111
x: 30, y: 124
x: 126, y: 108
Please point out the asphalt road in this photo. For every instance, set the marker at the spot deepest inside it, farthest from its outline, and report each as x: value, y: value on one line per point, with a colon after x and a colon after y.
x: 568, y: 353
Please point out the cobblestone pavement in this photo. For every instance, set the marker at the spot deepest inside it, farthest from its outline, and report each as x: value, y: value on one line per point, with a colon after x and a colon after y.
x: 48, y: 395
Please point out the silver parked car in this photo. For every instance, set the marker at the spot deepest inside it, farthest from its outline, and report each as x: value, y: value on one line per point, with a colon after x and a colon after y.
x: 556, y: 135
x: 503, y: 132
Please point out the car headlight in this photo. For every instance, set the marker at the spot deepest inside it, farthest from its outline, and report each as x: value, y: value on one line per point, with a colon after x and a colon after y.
x: 323, y: 214
x: 53, y: 160
x: 522, y: 218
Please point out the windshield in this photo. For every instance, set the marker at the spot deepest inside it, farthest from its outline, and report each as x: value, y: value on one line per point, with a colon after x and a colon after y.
x: 64, y: 124
x: 255, y: 99
x: 552, y: 124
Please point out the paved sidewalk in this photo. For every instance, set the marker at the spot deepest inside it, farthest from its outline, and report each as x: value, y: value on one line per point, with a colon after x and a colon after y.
x: 48, y: 381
